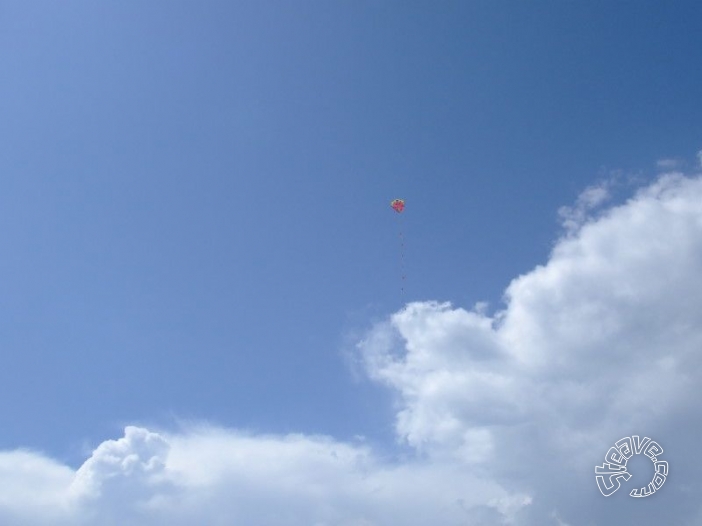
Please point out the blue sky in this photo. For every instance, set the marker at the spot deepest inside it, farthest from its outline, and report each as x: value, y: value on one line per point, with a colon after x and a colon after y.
x: 195, y: 208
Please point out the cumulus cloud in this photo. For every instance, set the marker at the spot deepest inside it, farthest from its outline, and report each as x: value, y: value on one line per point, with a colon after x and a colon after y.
x: 508, y: 413
x: 213, y: 476
x: 601, y: 342
x: 32, y: 488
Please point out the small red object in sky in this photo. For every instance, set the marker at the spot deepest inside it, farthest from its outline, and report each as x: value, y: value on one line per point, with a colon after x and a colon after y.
x: 398, y: 205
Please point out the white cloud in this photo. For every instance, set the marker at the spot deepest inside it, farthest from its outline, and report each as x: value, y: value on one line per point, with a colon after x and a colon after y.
x: 32, y: 488
x: 668, y: 164
x: 601, y: 342
x: 508, y: 413
x: 212, y: 476
x: 573, y: 217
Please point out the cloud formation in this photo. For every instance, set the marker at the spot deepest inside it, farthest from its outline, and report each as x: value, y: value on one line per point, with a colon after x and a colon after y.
x: 209, y: 475
x: 573, y: 217
x: 600, y: 343
x: 508, y: 413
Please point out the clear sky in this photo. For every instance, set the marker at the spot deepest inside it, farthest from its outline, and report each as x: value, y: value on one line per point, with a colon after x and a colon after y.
x: 198, y: 247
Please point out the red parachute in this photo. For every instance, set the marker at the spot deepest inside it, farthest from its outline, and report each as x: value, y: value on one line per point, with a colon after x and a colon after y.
x: 398, y: 205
